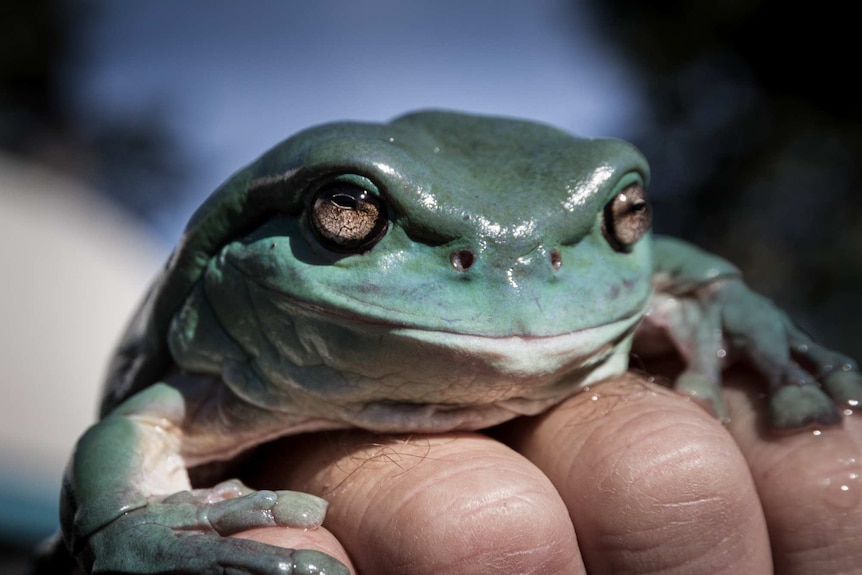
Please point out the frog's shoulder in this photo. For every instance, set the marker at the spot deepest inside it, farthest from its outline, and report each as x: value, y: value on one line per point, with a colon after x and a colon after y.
x: 142, y: 356
x: 236, y: 207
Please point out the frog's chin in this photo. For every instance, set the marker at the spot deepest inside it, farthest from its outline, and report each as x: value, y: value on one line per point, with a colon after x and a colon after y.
x: 429, y: 380
x: 402, y: 417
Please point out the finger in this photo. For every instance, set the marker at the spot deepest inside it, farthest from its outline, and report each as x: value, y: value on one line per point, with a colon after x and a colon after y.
x: 810, y: 484
x: 451, y: 503
x: 653, y: 483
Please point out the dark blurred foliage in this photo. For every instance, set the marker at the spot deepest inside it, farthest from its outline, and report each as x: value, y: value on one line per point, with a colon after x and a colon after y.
x: 132, y: 156
x: 754, y: 134
x: 31, y: 38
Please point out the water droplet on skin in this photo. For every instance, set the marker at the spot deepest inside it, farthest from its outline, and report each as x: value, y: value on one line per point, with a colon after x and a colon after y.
x: 853, y: 402
x: 842, y: 492
x: 816, y: 432
x: 802, y: 348
x: 721, y: 353
x: 595, y: 397
x: 846, y: 367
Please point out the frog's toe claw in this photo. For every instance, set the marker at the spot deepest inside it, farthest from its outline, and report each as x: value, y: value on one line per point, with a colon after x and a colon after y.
x: 845, y: 387
x: 705, y: 391
x: 794, y: 407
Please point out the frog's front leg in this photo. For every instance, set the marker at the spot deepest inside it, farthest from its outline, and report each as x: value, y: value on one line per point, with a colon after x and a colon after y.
x: 128, y: 506
x: 708, y: 312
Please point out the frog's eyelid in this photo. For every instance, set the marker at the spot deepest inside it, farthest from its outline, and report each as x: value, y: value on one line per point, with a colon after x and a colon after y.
x: 626, y: 217
x: 628, y: 179
x: 272, y: 180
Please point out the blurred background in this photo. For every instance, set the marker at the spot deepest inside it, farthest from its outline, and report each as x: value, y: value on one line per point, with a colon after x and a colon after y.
x: 118, y: 118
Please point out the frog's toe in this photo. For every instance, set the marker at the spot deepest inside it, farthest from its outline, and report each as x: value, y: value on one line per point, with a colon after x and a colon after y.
x: 798, y: 406
x: 311, y: 562
x: 297, y: 509
x: 245, y: 557
x: 252, y: 558
x: 844, y: 386
x: 266, y: 509
x: 130, y: 547
x: 703, y: 390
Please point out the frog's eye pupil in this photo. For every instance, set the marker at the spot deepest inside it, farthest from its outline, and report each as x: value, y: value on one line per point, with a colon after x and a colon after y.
x: 346, y: 201
x: 627, y: 218
x: 347, y: 218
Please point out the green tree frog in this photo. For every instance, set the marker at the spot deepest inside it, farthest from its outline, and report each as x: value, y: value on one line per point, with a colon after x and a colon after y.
x: 440, y: 272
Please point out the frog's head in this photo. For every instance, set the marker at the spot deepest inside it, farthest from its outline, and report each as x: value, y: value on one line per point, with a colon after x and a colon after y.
x: 483, y: 246
x: 454, y: 223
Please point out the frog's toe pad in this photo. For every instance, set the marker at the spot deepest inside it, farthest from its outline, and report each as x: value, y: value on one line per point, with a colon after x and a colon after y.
x: 264, y: 509
x: 845, y: 387
x: 799, y: 406
x: 311, y: 562
x: 704, y: 391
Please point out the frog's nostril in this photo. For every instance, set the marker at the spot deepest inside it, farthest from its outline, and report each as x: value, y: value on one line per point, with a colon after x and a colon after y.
x: 556, y: 259
x: 462, y: 259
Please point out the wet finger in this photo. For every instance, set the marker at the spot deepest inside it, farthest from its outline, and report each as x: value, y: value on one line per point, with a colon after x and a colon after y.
x: 810, y: 483
x: 654, y: 484
x: 451, y: 503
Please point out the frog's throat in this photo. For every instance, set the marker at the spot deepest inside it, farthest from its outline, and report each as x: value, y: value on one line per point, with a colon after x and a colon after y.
x: 513, y: 354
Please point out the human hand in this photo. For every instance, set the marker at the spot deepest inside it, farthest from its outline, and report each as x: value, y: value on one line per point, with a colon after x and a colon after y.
x: 627, y: 477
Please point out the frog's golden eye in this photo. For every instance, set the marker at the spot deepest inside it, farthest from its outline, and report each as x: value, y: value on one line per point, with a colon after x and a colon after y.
x: 627, y: 217
x: 347, y: 218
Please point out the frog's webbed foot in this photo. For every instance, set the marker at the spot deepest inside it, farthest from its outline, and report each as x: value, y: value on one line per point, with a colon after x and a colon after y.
x: 725, y: 319
x: 838, y: 376
x: 186, y: 533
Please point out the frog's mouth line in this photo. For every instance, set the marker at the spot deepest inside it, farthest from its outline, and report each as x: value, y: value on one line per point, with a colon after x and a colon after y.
x: 534, y: 357
x: 416, y: 329
x: 518, y: 356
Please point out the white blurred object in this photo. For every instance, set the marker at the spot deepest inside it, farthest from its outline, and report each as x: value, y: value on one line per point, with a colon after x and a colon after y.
x: 73, y: 269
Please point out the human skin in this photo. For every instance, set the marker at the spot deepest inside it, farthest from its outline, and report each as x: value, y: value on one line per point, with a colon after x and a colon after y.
x: 627, y: 477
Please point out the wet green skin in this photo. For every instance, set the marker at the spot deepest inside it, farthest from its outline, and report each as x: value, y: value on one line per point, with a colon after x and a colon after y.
x: 256, y: 329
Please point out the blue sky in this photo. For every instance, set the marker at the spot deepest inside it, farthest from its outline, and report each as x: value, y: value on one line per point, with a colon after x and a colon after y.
x: 234, y: 78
